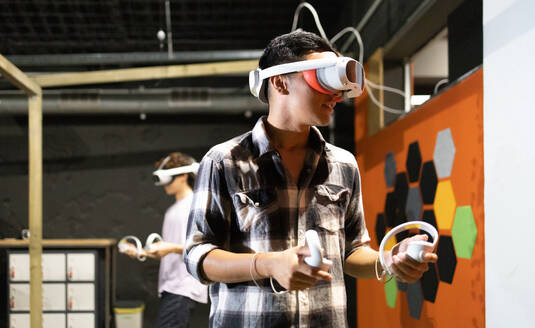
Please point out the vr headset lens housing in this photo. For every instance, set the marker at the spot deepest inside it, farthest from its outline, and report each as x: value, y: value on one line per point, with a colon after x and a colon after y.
x: 327, y: 75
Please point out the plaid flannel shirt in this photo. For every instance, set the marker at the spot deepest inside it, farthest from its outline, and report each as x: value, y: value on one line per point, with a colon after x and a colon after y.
x: 245, y: 202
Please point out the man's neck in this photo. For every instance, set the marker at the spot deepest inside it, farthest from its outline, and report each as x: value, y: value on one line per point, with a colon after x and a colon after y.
x: 185, y: 192
x: 285, y: 135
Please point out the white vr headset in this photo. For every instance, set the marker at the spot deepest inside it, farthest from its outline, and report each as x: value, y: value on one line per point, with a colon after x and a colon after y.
x: 162, y: 176
x: 325, y: 75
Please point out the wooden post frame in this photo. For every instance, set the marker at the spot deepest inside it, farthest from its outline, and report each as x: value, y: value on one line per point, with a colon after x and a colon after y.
x: 375, y: 74
x: 35, y: 185
x: 145, y: 73
x: 32, y: 87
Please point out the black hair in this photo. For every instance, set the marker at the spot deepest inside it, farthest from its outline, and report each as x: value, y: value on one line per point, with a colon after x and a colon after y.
x: 292, y: 47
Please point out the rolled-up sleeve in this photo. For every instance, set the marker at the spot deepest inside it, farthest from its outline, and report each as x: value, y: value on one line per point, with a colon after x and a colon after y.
x: 355, y: 226
x: 208, y: 222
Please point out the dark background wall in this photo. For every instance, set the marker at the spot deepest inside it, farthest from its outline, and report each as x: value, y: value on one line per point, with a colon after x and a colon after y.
x: 97, y: 182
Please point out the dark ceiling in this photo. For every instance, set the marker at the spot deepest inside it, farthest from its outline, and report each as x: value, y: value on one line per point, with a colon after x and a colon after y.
x: 104, y: 26
x: 87, y: 35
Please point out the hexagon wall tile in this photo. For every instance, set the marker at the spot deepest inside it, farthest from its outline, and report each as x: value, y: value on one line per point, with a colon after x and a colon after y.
x: 401, y: 190
x: 391, y: 293
x: 402, y: 286
x: 390, y: 209
x: 428, y: 182
x: 447, y: 261
x: 415, y: 298
x: 444, y: 153
x: 414, y: 162
x: 444, y: 205
x: 430, y: 283
x: 414, y: 204
x: 429, y: 217
x: 380, y: 227
x: 464, y: 232
x: 390, y: 169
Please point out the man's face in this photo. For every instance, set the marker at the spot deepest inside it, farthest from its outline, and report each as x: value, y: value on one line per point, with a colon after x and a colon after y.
x: 311, y: 106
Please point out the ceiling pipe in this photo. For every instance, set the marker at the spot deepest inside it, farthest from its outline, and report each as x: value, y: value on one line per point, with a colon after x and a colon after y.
x: 138, y: 101
x: 140, y: 58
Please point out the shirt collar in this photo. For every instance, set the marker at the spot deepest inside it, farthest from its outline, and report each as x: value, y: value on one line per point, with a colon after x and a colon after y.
x: 263, y: 144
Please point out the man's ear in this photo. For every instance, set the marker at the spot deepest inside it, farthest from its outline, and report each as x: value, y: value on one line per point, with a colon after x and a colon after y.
x: 279, y: 83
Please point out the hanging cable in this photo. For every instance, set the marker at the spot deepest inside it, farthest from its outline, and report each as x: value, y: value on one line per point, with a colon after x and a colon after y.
x: 383, y: 107
x: 314, y: 14
x: 357, y: 36
x: 439, y: 83
x: 385, y: 88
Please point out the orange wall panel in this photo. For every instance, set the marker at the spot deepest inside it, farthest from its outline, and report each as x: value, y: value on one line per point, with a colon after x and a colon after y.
x: 460, y: 109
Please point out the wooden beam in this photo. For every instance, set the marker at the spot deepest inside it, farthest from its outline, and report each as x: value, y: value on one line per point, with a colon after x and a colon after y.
x: 35, y: 206
x: 375, y: 74
x: 11, y: 73
x: 146, y: 73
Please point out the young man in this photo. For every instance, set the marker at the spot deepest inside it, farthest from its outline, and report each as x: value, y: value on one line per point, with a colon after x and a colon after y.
x: 178, y: 290
x: 257, y: 194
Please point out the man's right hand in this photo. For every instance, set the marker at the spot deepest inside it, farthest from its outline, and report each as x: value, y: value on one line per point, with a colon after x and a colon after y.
x: 290, y: 270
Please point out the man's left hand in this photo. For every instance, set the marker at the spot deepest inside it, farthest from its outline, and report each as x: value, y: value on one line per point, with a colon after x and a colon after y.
x: 405, y: 268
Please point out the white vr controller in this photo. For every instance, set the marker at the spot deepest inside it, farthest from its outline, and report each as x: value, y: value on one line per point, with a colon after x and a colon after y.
x: 316, y: 252
x: 123, y: 245
x: 415, y: 249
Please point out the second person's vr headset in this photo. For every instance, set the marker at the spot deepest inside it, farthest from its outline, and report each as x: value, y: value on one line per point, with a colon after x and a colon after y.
x: 163, y: 176
x: 326, y: 75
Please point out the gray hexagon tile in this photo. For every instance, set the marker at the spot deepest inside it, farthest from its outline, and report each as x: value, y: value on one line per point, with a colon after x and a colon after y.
x: 415, y: 298
x: 390, y: 169
x: 414, y: 204
x: 444, y: 153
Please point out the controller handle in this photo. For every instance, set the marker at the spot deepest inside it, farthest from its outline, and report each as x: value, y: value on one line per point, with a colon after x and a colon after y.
x: 152, y: 238
x: 123, y: 246
x: 415, y: 249
x: 316, y: 254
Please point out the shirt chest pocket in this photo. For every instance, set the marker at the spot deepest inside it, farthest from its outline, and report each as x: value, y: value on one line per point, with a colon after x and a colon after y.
x: 254, y: 209
x: 330, y: 204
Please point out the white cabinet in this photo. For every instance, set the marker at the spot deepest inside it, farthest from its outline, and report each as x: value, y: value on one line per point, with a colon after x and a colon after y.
x: 69, y: 290
x: 80, y: 320
x: 81, y: 297
x: 19, y: 267
x: 19, y: 320
x: 19, y: 297
x: 53, y: 297
x: 81, y: 266
x: 54, y: 320
x: 53, y: 267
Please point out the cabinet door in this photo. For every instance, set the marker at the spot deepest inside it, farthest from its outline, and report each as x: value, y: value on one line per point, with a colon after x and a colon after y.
x: 81, y: 297
x: 53, y: 267
x: 54, y: 320
x: 19, y: 297
x: 19, y: 320
x: 81, y: 266
x: 80, y: 320
x: 19, y: 267
x: 53, y: 297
